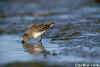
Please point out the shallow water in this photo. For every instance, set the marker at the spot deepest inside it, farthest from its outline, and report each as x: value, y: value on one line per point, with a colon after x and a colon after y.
x: 75, y: 37
x: 70, y: 51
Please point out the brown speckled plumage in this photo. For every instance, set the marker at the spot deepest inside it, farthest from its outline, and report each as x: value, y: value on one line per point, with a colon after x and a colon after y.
x: 40, y: 27
x: 36, y: 30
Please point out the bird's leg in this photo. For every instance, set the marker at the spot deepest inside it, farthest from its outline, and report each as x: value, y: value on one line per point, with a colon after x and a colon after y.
x: 40, y: 39
x: 44, y: 34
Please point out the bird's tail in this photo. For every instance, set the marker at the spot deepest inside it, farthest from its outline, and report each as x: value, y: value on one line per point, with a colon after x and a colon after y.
x: 51, y: 24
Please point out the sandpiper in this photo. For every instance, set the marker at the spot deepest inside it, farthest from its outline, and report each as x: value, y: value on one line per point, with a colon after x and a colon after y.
x: 36, y: 31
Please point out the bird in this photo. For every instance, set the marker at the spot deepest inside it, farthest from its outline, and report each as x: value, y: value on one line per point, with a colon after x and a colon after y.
x: 36, y: 31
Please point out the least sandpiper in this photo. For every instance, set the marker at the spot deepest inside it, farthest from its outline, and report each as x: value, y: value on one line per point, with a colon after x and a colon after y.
x: 36, y: 31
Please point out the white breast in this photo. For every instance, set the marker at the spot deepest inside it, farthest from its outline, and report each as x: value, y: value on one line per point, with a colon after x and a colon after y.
x: 37, y: 34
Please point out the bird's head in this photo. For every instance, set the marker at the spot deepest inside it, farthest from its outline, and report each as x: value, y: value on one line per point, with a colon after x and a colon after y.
x: 25, y: 37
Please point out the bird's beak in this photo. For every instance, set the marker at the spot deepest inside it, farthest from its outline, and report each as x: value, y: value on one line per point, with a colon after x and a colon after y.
x: 22, y: 41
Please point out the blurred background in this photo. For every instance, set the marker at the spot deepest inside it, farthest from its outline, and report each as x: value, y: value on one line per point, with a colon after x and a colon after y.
x: 75, y: 37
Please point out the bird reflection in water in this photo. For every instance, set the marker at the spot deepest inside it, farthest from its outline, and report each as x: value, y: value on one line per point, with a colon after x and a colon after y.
x: 34, y: 48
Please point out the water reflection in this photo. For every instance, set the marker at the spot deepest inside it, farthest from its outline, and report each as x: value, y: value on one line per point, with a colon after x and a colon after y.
x: 35, y: 48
